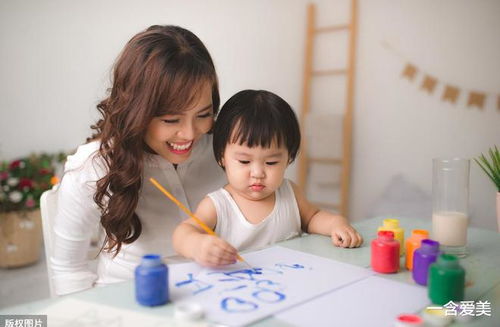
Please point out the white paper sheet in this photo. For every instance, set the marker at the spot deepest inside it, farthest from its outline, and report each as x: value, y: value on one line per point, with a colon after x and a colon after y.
x: 374, y: 301
x: 236, y: 296
x: 70, y: 312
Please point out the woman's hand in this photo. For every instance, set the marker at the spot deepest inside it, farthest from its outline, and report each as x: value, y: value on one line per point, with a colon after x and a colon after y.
x: 344, y: 235
x: 212, y: 251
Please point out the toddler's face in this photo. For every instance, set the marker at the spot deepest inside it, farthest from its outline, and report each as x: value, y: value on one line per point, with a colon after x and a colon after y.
x: 255, y: 173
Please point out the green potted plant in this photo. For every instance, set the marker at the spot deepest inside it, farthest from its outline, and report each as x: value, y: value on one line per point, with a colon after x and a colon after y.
x: 22, y: 182
x: 491, y: 166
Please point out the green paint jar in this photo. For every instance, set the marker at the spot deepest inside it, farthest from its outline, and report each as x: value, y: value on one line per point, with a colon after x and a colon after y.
x: 446, y: 280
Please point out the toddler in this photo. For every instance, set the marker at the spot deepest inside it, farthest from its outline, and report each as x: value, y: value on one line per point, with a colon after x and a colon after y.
x: 256, y: 137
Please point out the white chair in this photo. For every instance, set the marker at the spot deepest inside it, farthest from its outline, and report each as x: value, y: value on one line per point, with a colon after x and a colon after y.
x: 48, y: 209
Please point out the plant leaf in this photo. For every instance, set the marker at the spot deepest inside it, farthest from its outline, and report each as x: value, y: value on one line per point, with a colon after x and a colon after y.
x: 496, y: 158
x: 495, y: 165
x: 485, y: 170
x: 491, y: 168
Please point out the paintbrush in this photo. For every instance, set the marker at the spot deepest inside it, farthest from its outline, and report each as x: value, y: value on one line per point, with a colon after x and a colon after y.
x: 190, y: 214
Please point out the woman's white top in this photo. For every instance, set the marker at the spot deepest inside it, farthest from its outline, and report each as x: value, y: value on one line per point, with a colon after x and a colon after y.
x: 78, y: 215
x: 281, y: 224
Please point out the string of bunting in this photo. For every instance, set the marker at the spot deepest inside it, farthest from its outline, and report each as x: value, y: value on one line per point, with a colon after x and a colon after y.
x: 451, y: 92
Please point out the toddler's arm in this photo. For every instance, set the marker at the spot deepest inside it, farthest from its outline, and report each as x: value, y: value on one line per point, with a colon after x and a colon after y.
x: 317, y: 221
x: 190, y: 241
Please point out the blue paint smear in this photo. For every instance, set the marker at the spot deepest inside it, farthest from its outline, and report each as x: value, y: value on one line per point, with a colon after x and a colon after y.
x: 265, y: 290
x: 294, y: 266
x: 266, y: 271
x: 265, y: 283
x: 200, y: 285
x: 269, y: 296
x: 235, y: 288
x: 236, y: 305
x: 238, y: 275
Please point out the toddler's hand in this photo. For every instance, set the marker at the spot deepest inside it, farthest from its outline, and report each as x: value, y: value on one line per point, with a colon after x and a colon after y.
x: 344, y: 235
x: 213, y: 251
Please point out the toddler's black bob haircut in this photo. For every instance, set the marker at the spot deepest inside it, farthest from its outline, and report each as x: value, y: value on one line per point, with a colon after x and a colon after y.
x: 256, y: 118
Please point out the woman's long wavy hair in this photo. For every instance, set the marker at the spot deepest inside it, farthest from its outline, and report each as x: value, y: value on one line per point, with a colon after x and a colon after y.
x: 160, y: 71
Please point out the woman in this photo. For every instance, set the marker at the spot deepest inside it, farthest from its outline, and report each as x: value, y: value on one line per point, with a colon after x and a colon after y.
x: 155, y: 123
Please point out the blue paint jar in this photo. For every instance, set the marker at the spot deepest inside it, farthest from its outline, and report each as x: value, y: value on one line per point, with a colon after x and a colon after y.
x: 151, y: 281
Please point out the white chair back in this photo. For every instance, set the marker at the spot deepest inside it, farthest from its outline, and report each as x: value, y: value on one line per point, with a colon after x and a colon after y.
x: 48, y: 209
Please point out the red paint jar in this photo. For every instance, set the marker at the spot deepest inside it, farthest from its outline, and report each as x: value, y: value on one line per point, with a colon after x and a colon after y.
x: 385, y: 253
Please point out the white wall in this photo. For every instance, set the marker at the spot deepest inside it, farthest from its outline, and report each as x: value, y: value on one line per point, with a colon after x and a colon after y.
x: 399, y: 128
x: 55, y: 59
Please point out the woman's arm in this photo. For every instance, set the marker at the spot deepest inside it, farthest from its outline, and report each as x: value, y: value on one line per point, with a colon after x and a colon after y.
x: 316, y: 221
x: 190, y: 241
x: 76, y: 218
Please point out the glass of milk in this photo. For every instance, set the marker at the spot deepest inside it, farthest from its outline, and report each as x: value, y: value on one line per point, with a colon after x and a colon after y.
x: 450, y: 197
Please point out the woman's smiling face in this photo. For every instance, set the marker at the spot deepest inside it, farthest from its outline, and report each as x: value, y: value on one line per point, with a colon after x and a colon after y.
x: 173, y: 136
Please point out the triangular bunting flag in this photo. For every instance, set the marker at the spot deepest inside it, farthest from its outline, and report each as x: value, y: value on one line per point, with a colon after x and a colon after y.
x: 429, y: 83
x: 409, y: 72
x: 476, y: 99
x: 450, y: 93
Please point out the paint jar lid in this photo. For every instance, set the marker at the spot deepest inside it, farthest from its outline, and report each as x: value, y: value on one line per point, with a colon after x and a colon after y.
x: 391, y: 223
x: 408, y: 320
x: 430, y: 246
x: 448, y: 261
x: 151, y: 260
x: 386, y: 235
x: 188, y: 311
x: 436, y: 317
x: 420, y: 233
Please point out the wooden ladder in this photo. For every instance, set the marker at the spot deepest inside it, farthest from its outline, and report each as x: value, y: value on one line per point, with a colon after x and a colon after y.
x: 305, y: 159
